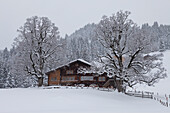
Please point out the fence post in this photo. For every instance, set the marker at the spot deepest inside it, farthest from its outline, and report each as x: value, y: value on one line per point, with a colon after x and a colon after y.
x: 167, y: 104
x: 152, y: 96
x: 142, y: 94
x: 166, y: 100
x: 157, y: 97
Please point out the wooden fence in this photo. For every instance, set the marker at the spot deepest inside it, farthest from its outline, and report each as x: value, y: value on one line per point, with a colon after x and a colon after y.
x: 163, y: 100
x: 140, y: 94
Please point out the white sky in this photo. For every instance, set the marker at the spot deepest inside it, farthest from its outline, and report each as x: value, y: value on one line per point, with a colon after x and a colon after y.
x: 70, y: 15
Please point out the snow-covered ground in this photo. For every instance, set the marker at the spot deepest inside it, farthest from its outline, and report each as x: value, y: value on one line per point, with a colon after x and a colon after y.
x: 38, y: 100
x: 163, y: 86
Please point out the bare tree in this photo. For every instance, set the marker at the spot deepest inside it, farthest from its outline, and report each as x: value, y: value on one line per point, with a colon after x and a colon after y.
x: 124, y: 56
x: 37, y: 45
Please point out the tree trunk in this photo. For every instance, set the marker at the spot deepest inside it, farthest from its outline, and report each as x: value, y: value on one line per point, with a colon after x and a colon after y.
x: 40, y: 81
x: 119, y: 85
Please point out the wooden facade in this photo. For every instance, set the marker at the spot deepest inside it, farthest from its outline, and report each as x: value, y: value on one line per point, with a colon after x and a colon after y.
x: 67, y: 75
x: 54, y: 77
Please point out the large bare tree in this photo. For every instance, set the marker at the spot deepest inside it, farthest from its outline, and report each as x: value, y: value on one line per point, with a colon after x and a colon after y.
x: 125, y: 46
x: 37, y: 45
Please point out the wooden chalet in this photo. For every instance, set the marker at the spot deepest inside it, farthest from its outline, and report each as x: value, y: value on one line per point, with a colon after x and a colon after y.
x: 68, y: 75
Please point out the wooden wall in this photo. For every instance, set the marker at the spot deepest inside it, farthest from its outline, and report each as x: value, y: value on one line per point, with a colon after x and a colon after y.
x: 54, y: 77
x: 67, y: 75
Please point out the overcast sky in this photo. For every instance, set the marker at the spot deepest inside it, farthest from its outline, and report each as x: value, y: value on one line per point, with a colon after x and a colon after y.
x: 70, y: 15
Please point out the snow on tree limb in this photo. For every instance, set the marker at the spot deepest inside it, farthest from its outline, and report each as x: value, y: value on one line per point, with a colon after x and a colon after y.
x: 126, y: 62
x: 39, y: 41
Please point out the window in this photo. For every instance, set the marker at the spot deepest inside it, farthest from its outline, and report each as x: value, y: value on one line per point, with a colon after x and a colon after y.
x: 68, y: 78
x: 63, y: 78
x: 72, y: 78
x: 69, y: 72
x: 102, y: 78
x: 84, y: 78
x: 53, y: 78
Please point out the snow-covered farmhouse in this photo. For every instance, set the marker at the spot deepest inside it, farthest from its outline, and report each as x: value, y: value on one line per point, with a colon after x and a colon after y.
x: 68, y: 75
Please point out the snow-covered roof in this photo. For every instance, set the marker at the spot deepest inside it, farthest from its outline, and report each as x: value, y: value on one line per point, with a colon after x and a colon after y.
x: 80, y: 60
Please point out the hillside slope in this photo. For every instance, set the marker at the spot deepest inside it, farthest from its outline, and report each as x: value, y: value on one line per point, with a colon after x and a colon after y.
x: 36, y: 100
x: 163, y: 86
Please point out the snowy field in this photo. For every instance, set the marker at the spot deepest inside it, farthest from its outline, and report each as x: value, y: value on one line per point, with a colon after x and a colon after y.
x: 34, y: 100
